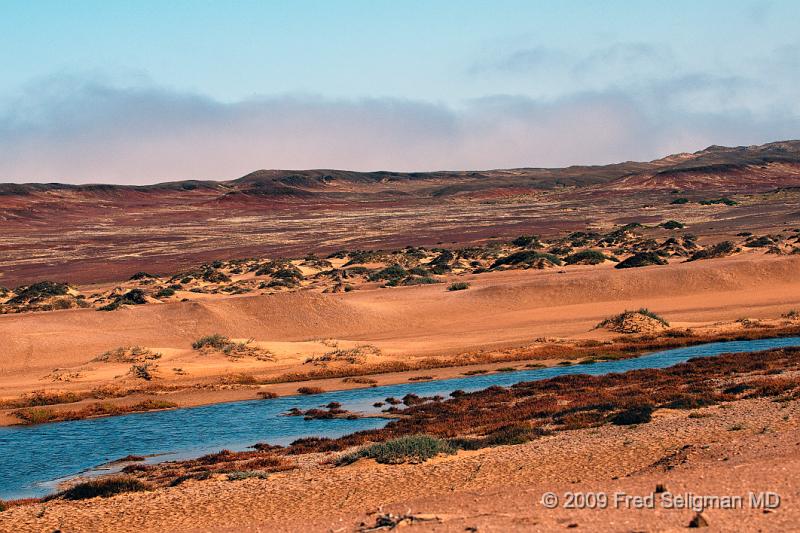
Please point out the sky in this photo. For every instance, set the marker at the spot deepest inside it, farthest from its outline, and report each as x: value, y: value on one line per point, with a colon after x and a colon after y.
x: 148, y: 91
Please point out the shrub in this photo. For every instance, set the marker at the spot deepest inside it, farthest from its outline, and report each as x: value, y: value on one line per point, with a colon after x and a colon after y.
x: 132, y: 297
x: 635, y: 415
x: 36, y: 415
x: 511, y: 435
x: 641, y: 259
x: 718, y: 250
x: 389, y: 273
x: 267, y: 395
x: 458, y: 286
x: 528, y: 258
x: 141, y: 275
x: 525, y: 240
x: 103, y: 487
x: 626, y: 322
x: 310, y: 390
x: 38, y: 291
x: 230, y: 348
x: 585, y: 257
x: 679, y: 201
x: 759, y: 242
x: 166, y: 292
x: 724, y: 200
x: 212, y: 275
x: 646, y: 312
x: 408, y: 449
x: 215, y: 341
x: 672, y: 224
x: 142, y: 371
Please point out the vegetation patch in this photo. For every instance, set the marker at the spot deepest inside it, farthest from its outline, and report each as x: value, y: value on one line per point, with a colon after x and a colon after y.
x: 586, y: 257
x: 528, y: 259
x: 41, y: 415
x: 127, y: 354
x: 641, y: 321
x: 310, y: 390
x: 672, y: 224
x: 634, y: 415
x: 222, y: 344
x: 407, y: 449
x: 642, y: 259
x: 38, y: 291
x: 102, y: 487
x: 458, y: 286
x: 721, y: 249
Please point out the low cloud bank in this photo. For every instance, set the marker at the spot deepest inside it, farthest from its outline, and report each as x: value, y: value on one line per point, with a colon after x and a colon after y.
x: 80, y: 131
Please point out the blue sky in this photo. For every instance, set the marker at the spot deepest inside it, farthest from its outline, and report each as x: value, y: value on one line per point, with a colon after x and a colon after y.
x: 143, y: 91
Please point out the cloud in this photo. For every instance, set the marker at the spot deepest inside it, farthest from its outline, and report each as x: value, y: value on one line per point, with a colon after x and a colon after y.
x: 82, y: 130
x: 631, y: 59
x: 522, y: 60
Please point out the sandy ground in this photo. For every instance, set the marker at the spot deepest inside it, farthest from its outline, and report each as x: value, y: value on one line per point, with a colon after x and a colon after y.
x: 494, y: 489
x: 54, y: 350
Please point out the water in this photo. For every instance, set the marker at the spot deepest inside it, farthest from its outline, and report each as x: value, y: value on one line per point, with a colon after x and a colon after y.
x: 32, y: 458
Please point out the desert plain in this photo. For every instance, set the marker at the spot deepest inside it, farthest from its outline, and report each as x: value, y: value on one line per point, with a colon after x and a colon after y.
x: 125, y: 299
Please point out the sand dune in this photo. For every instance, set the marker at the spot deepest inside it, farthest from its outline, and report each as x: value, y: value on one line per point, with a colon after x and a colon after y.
x: 501, y: 309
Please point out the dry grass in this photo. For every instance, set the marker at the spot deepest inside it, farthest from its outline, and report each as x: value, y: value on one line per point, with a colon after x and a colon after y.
x: 40, y: 415
x: 233, y: 349
x: 310, y: 390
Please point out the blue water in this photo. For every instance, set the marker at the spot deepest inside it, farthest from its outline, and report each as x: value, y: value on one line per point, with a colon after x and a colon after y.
x: 32, y: 457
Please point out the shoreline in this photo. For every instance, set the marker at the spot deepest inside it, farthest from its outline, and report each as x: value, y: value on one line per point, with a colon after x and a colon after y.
x: 193, y: 397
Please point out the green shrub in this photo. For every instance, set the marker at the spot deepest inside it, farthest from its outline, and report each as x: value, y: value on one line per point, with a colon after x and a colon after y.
x: 679, y: 201
x: 388, y: 273
x: 641, y: 259
x: 726, y: 201
x: 132, y: 297
x: 458, y: 286
x: 38, y: 291
x: 141, y: 275
x: 525, y: 240
x: 717, y: 250
x: 102, y: 487
x: 408, y: 449
x: 759, y: 242
x: 672, y: 224
x: 527, y: 258
x: 585, y: 257
x: 165, y: 292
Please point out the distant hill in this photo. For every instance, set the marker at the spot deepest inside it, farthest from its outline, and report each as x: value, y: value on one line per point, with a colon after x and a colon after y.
x: 723, y: 167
